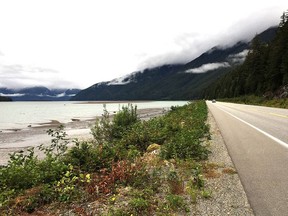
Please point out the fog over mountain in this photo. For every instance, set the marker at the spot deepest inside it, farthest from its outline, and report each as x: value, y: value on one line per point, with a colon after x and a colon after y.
x: 73, y: 43
x: 174, y: 81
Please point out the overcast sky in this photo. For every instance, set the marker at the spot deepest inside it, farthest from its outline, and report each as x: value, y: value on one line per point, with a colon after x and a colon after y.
x: 77, y: 43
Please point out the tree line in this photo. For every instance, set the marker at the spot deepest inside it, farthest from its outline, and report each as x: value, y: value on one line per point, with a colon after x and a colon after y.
x: 263, y: 72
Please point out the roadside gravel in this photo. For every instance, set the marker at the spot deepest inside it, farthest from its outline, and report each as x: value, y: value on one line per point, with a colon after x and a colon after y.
x: 228, y: 195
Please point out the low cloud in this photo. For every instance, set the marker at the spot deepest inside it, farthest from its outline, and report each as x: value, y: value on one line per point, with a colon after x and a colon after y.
x: 188, y: 46
x: 239, y: 57
x: 208, y: 67
x: 123, y: 80
x: 12, y: 95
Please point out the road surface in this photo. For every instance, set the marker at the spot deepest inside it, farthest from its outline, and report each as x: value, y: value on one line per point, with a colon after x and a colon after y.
x: 257, y: 141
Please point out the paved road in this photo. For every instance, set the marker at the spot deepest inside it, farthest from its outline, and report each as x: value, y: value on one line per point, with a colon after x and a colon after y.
x: 257, y: 141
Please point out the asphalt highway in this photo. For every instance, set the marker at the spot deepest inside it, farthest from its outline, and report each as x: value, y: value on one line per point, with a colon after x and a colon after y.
x: 257, y: 141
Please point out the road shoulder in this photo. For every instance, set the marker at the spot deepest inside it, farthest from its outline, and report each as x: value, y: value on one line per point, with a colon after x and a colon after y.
x: 228, y: 195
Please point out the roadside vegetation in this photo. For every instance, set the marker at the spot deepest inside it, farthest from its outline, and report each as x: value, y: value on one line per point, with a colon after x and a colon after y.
x: 130, y: 167
x: 260, y: 101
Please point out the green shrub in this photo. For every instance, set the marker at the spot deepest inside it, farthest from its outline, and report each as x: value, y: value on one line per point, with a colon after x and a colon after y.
x: 124, y: 120
x: 90, y: 158
x: 102, y: 129
x: 188, y: 128
x: 22, y: 171
x: 25, y: 170
x: 139, y: 206
x: 176, y: 202
x: 106, y: 130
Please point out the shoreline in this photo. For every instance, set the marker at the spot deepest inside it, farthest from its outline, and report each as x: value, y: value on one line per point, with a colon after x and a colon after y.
x: 14, y: 140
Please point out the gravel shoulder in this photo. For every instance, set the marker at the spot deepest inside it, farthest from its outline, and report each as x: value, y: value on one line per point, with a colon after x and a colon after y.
x: 228, y: 195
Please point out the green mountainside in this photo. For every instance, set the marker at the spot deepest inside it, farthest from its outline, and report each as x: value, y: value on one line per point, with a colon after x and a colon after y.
x: 263, y: 73
x: 174, y: 82
x: 167, y: 82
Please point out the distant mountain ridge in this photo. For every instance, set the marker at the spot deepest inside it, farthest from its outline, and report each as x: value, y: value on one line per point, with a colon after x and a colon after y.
x: 5, y: 99
x: 38, y: 93
x: 174, y: 81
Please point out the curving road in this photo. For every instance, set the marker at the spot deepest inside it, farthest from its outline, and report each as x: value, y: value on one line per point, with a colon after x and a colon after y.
x: 257, y: 140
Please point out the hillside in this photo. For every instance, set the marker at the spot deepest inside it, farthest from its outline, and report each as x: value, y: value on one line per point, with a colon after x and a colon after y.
x: 167, y: 82
x: 264, y: 72
x: 173, y: 82
x: 5, y: 99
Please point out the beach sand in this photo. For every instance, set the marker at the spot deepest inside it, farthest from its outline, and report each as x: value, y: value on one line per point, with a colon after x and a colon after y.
x: 21, y: 139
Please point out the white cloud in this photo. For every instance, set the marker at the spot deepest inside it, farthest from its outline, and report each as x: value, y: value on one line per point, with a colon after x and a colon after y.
x: 92, y: 41
x: 239, y: 57
x: 18, y: 76
x: 12, y: 95
x: 122, y: 80
x: 208, y: 67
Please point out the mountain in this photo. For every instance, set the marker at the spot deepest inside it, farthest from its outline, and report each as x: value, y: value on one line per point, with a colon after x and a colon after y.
x: 264, y: 73
x: 38, y: 93
x: 174, y: 81
x: 5, y: 99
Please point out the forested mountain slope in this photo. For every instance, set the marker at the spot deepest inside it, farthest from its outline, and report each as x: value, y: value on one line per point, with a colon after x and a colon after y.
x: 263, y: 73
x: 174, y: 82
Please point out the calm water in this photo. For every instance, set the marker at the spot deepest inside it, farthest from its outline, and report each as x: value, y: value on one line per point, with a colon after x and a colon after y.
x: 21, y: 114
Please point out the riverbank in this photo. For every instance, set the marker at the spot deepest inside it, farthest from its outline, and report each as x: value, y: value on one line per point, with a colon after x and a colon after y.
x: 14, y: 140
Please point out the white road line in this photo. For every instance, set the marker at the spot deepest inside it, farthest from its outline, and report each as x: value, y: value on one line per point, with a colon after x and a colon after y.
x: 284, y: 144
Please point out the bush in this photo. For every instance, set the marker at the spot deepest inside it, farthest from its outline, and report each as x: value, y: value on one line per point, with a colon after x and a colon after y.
x: 106, y: 130
x: 124, y: 120
x: 188, y: 128
x: 176, y: 202
x: 112, y: 159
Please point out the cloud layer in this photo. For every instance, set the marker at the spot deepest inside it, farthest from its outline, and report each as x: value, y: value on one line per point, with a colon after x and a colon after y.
x: 208, y: 67
x: 18, y: 76
x: 79, y: 43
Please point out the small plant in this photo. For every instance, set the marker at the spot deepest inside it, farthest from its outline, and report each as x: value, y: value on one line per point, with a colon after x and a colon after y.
x: 176, y: 202
x: 176, y: 185
x: 102, y: 129
x: 192, y: 191
x: 206, y: 193
x: 122, y: 211
x: 58, y: 145
x: 65, y: 187
x: 196, y: 184
x: 139, y: 206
